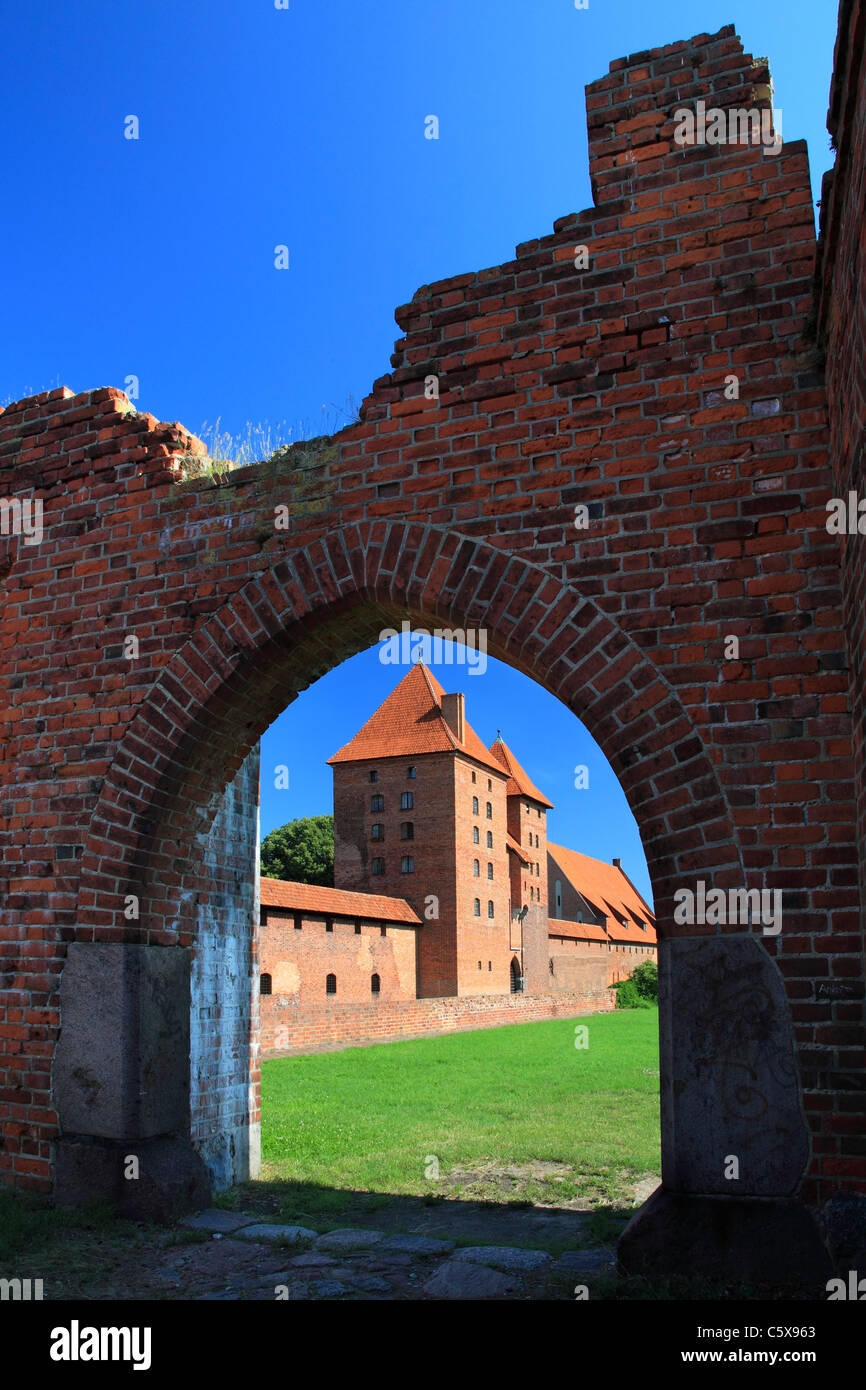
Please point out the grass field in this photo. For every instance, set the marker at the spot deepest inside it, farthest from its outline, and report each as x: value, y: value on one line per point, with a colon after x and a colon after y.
x: 508, y: 1114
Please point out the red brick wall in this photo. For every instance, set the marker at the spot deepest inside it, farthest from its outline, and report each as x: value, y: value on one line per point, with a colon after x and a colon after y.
x: 842, y: 325
x: 443, y: 850
x: 620, y: 960
x: 483, y: 943
x: 557, y: 387
x: 525, y: 826
x: 287, y: 1027
x: 432, y: 849
x: 299, y: 960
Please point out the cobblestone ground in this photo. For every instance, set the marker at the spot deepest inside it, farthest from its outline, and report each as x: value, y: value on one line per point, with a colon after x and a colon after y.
x: 249, y: 1259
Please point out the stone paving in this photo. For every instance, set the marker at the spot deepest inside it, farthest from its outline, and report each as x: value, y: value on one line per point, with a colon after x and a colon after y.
x: 372, y: 1265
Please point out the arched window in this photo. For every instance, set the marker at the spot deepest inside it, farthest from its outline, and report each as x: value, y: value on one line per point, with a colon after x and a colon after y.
x: 475, y: 834
x: 476, y: 907
x: 489, y: 811
x: 476, y: 868
x: 489, y: 870
x: 375, y: 984
x: 490, y: 907
x: 331, y: 984
x: 490, y: 839
x: 378, y: 830
x: 475, y: 805
x: 264, y: 984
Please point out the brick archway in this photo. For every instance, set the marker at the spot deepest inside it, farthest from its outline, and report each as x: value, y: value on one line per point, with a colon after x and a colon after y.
x: 276, y: 636
x: 702, y: 622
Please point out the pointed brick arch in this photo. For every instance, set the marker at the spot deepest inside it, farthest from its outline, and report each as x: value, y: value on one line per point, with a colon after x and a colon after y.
x: 322, y: 603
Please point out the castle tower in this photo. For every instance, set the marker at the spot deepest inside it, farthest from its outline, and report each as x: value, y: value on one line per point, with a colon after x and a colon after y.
x: 527, y: 852
x: 421, y: 813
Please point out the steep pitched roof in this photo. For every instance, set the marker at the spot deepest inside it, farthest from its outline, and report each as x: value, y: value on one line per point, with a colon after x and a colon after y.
x: 610, y: 892
x: 409, y: 722
x: 518, y: 782
x: 334, y: 902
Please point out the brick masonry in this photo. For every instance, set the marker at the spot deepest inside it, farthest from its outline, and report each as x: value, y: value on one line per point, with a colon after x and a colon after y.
x: 287, y: 1027
x: 559, y: 387
x: 298, y: 952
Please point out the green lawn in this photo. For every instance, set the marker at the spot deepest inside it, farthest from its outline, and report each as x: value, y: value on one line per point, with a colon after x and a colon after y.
x: 571, y: 1123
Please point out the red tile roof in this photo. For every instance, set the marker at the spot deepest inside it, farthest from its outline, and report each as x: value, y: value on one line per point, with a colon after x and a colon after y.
x: 409, y: 722
x: 518, y: 782
x: 576, y: 931
x: 334, y: 902
x: 609, y: 891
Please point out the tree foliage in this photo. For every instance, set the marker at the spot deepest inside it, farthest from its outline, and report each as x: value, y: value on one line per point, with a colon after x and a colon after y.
x: 640, y: 990
x: 302, y: 851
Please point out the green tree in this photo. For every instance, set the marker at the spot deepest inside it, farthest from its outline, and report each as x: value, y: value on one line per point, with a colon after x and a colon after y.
x: 301, y: 851
x: 640, y: 990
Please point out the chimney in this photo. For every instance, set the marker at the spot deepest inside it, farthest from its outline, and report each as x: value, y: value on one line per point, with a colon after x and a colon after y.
x: 617, y: 863
x: 454, y: 710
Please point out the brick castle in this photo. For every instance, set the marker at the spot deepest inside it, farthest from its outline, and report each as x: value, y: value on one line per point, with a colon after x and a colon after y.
x: 445, y: 881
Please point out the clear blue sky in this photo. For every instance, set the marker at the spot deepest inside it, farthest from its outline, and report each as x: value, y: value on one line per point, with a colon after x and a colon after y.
x: 155, y: 257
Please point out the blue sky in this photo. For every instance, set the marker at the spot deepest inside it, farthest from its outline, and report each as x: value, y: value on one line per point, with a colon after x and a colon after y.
x: 259, y: 127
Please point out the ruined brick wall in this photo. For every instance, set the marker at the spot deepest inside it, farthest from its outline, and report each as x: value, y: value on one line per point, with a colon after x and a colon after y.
x: 289, y: 1028
x: 564, y: 381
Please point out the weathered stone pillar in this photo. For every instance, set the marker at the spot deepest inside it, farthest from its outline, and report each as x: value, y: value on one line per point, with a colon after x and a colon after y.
x: 121, y: 1081
x: 735, y: 1145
